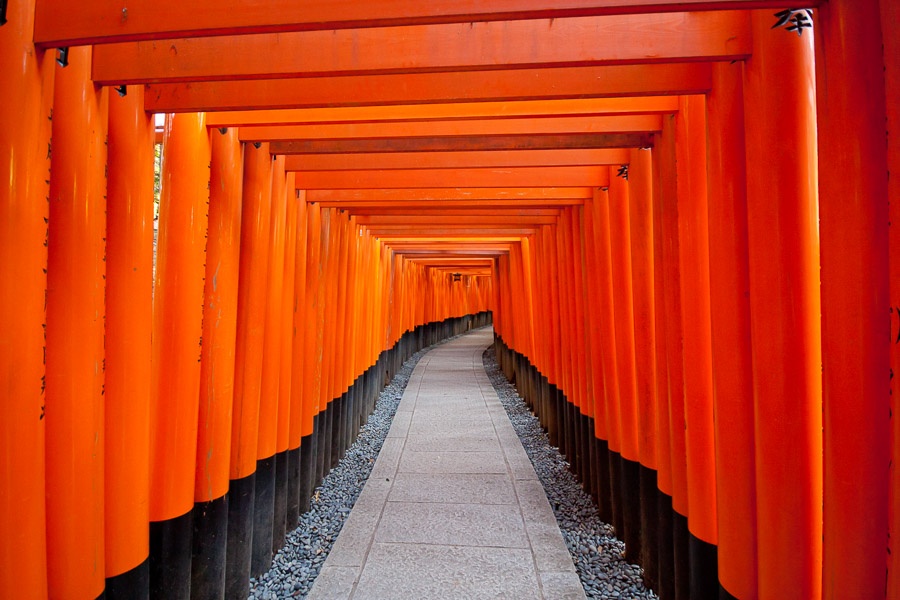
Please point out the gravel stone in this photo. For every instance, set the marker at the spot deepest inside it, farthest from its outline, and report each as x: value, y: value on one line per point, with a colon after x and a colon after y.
x: 296, y: 566
x: 597, y: 553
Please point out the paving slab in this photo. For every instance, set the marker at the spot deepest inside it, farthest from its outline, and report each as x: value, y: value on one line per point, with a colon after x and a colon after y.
x: 453, y: 508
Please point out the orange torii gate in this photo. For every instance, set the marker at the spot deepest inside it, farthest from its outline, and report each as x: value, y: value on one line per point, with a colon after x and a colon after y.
x: 677, y: 216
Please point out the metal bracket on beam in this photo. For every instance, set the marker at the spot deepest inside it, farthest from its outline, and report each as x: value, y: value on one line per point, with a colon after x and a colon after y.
x: 62, y: 57
x: 122, y: 90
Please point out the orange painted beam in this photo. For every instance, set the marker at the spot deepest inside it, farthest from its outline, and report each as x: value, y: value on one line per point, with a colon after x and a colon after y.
x: 659, y: 38
x: 415, y: 254
x: 608, y: 81
x: 388, y: 233
x: 451, y: 260
x: 362, y: 206
x: 436, y: 211
x: 450, y: 229
x: 59, y: 23
x: 423, y: 178
x: 380, y: 221
x: 441, y: 112
x: 455, y: 128
x: 470, y: 142
x: 456, y: 160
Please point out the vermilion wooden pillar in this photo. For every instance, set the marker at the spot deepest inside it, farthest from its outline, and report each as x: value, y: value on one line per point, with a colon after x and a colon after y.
x: 220, y: 299
x: 129, y: 309
x: 250, y: 332
x: 779, y: 103
x: 75, y: 332
x: 177, y: 327
x: 890, y: 22
x: 312, y: 345
x: 608, y: 325
x: 24, y: 211
x: 629, y: 478
x: 674, y: 576
x: 730, y: 310
x: 856, y: 345
x: 695, y: 313
x: 264, y: 505
x: 663, y: 194
x: 620, y: 245
x: 599, y: 383
x: 640, y: 177
x: 298, y: 387
x: 288, y: 463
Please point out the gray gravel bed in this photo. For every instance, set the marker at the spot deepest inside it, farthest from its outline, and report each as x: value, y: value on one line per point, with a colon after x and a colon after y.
x: 596, y: 552
x: 296, y: 566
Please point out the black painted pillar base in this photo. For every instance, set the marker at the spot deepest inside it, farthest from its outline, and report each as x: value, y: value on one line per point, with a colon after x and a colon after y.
x: 601, y: 485
x: 631, y: 513
x: 170, y: 557
x: 133, y: 584
x: 665, y: 557
x: 725, y: 595
x: 327, y: 440
x: 681, y: 556
x: 322, y: 446
x: 649, y: 526
x: 307, y: 470
x: 337, y: 437
x: 263, y: 516
x: 616, y: 498
x: 294, y: 484
x: 279, y: 524
x: 704, y: 560
x: 241, y: 498
x: 210, y: 538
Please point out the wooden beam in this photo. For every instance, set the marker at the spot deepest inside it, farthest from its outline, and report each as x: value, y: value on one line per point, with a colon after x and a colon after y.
x: 455, y: 160
x: 434, y: 211
x: 456, y: 129
x: 406, y: 221
x: 442, y: 112
x: 566, y: 42
x: 440, y: 195
x: 471, y: 240
x: 489, y: 259
x: 429, y: 88
x: 466, y: 143
x: 479, y: 248
x: 357, y: 205
x: 492, y: 233
x: 420, y: 178
x: 66, y: 23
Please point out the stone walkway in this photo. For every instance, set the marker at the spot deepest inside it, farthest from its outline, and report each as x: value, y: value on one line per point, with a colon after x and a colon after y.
x: 453, y: 508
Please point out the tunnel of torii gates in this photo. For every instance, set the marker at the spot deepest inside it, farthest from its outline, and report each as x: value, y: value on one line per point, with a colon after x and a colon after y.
x: 675, y: 213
